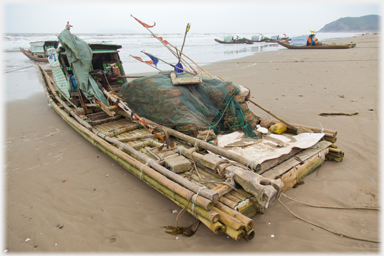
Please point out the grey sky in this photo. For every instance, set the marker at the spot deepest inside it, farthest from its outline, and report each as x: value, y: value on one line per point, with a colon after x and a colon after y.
x: 172, y: 16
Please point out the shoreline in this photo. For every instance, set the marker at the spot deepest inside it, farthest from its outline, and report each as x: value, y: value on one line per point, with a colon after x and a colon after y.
x: 100, y: 200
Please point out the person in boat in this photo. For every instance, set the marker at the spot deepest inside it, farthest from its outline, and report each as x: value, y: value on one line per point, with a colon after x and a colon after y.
x: 312, y: 40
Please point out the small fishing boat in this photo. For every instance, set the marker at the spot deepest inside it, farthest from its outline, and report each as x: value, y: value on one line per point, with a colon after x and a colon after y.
x: 233, y: 40
x: 310, y: 42
x: 260, y: 38
x: 40, y: 50
x: 221, y: 163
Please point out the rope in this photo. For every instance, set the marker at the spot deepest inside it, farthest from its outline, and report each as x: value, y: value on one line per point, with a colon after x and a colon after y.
x: 332, y: 207
x: 227, y: 163
x: 250, y: 164
x: 141, y: 168
x: 322, y: 129
x: 93, y: 142
x: 229, y: 102
x: 196, y: 147
x: 334, y: 232
x: 179, y: 150
x: 194, y: 201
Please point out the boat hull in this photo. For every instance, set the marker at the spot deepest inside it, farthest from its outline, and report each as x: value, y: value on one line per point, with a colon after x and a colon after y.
x: 324, y: 46
x: 236, y: 42
x: 34, y: 58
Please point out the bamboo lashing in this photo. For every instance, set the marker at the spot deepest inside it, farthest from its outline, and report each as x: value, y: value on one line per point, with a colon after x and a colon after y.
x: 250, y: 181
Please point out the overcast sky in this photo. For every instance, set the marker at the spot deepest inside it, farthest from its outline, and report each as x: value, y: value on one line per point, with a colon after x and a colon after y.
x: 210, y: 16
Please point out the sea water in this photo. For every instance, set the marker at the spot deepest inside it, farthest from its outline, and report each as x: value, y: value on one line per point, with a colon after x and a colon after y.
x: 201, y: 48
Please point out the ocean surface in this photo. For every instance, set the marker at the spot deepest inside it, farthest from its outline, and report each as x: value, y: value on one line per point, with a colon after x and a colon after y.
x: 201, y: 48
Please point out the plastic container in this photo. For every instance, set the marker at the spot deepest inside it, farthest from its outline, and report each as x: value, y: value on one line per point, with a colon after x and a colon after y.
x: 278, y: 128
x: 74, y: 84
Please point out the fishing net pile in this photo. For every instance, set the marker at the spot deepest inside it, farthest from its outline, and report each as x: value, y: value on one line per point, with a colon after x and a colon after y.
x: 212, y: 104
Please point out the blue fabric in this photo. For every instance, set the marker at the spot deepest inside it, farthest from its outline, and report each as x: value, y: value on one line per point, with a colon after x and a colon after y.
x: 178, y: 65
x: 155, y: 60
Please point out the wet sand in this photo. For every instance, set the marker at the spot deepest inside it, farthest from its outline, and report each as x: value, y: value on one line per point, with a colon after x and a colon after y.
x: 62, y: 194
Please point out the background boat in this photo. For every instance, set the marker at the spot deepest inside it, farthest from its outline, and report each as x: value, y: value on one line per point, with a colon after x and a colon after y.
x: 39, y: 50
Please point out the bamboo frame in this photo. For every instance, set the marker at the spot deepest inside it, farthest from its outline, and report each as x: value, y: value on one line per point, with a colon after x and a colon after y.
x: 86, y: 129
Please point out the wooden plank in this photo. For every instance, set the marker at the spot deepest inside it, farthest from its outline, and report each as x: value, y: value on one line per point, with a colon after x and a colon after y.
x: 266, y: 165
x: 296, y: 160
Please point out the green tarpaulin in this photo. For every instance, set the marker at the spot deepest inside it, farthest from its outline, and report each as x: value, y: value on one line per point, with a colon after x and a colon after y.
x: 79, y: 55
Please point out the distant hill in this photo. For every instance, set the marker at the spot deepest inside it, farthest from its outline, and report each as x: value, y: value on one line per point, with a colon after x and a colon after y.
x: 368, y: 23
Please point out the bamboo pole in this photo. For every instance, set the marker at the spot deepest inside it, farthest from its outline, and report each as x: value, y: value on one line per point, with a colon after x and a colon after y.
x: 331, y: 133
x: 196, y: 64
x: 227, y: 202
x: 165, y: 45
x: 139, y: 137
x: 235, y: 234
x: 248, y: 222
x: 197, y: 189
x: 146, y: 63
x: 228, y: 220
x: 250, y: 181
x: 297, y: 173
x: 215, y: 227
x: 275, y: 116
x: 217, y: 150
x: 170, y: 64
x: 121, y: 130
x: 250, y: 235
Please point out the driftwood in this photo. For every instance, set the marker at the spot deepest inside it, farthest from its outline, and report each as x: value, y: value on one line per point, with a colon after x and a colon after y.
x: 338, y: 114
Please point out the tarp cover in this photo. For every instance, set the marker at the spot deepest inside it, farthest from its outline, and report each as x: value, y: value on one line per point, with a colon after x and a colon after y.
x: 189, y: 108
x: 270, y: 147
x: 228, y: 39
x: 79, y: 55
x: 300, y: 40
x: 58, y: 75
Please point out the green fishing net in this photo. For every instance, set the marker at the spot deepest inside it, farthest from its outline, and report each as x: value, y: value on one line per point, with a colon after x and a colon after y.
x: 189, y: 108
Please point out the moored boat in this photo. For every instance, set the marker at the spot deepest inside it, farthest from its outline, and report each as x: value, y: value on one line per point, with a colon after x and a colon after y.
x: 40, y: 50
x: 233, y: 40
x: 211, y: 168
x: 260, y: 38
x: 310, y: 42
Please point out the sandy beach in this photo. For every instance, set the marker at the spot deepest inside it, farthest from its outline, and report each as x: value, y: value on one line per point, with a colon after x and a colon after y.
x: 62, y: 194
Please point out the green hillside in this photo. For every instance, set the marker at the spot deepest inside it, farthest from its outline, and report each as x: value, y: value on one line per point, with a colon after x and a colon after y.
x: 368, y: 23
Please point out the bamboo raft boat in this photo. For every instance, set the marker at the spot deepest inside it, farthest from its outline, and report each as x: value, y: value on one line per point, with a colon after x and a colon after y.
x: 221, y: 189
x: 235, y: 41
x: 318, y: 46
x: 38, y: 51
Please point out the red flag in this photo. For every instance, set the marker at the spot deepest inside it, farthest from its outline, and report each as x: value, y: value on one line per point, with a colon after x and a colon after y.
x: 144, y: 24
x: 146, y: 61
x: 162, y: 40
x: 138, y: 58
